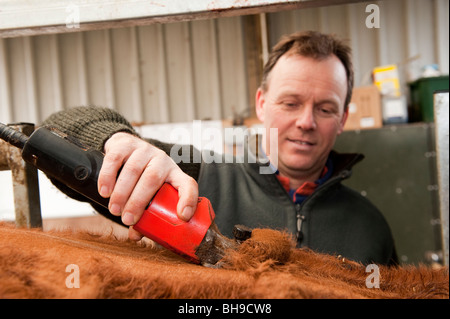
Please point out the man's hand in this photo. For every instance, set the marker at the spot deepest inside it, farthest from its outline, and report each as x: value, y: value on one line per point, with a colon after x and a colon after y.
x: 143, y: 170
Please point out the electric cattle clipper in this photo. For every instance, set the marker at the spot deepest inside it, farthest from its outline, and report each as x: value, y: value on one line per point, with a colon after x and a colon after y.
x: 66, y: 160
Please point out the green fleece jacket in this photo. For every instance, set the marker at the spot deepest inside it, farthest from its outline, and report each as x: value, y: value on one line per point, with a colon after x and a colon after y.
x: 334, y: 219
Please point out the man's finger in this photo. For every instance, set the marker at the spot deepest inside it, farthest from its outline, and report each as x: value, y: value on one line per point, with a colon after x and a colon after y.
x: 133, y: 234
x: 130, y: 178
x: 187, y: 194
x: 151, y: 180
x: 112, y: 163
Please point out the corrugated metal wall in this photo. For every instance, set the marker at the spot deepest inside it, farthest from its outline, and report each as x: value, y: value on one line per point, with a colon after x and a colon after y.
x: 411, y: 33
x: 154, y: 74
x: 196, y: 70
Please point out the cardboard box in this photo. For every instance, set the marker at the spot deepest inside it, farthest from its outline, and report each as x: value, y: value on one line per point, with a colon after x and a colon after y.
x: 364, y: 111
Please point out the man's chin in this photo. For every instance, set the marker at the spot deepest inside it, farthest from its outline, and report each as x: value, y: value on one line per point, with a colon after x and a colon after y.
x: 296, y: 165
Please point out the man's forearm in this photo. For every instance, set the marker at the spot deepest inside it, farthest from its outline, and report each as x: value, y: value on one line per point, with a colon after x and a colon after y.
x: 93, y: 126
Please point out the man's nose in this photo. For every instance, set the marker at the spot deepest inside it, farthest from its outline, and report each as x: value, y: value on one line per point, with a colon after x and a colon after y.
x: 306, y: 119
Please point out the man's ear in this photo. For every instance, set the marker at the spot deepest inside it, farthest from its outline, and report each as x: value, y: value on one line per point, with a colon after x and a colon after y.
x: 343, y: 121
x: 259, y: 105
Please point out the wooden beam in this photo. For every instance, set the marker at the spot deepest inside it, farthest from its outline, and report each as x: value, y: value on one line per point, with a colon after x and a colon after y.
x: 25, y: 181
x: 253, y: 57
x: 25, y: 18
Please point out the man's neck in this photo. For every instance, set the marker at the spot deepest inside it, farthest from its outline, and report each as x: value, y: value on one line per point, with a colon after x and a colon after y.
x: 297, y: 180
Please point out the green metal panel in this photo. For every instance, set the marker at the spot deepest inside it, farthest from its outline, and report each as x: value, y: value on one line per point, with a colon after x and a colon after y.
x: 399, y: 176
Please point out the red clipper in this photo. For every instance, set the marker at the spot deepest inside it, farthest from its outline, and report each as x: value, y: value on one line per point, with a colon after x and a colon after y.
x: 161, y: 224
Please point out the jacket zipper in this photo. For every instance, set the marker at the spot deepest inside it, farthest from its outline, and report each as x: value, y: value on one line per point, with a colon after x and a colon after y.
x: 298, y: 207
x: 300, y: 219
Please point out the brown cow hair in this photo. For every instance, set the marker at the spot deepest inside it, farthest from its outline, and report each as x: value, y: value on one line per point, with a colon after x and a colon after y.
x: 33, y: 265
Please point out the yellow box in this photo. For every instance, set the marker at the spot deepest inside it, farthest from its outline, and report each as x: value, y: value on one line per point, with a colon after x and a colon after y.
x: 387, y: 80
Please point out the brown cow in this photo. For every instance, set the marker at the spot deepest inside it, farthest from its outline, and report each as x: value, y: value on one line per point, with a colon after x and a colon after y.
x: 66, y: 264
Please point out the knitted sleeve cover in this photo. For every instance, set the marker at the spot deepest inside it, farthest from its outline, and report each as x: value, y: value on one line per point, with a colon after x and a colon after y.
x: 93, y: 126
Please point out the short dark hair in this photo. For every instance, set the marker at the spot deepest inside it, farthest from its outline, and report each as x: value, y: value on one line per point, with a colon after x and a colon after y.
x: 317, y: 46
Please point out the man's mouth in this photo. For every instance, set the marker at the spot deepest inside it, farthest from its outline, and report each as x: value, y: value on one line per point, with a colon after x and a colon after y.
x: 301, y: 142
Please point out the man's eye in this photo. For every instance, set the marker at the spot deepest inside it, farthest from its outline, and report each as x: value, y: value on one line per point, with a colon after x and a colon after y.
x: 326, y: 110
x: 290, y: 104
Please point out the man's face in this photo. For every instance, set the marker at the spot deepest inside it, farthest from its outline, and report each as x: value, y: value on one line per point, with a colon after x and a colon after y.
x: 305, y: 102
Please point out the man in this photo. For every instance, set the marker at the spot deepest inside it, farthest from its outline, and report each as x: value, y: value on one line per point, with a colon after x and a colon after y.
x: 304, y: 95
